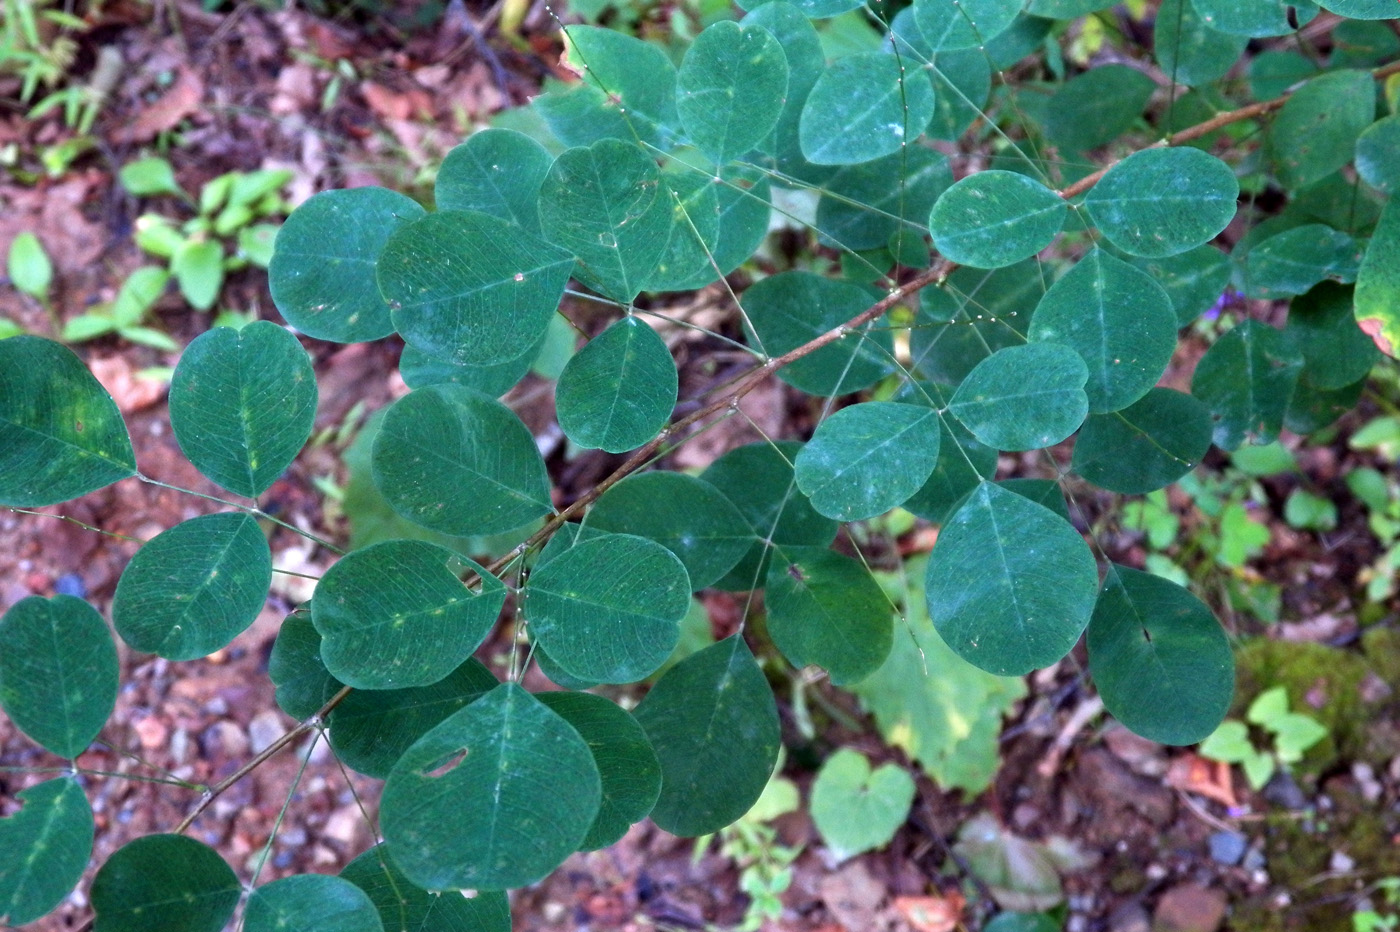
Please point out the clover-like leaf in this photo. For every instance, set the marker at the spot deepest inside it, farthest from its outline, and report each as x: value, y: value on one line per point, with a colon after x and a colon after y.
x: 164, y: 882
x: 617, y: 392
x: 995, y: 218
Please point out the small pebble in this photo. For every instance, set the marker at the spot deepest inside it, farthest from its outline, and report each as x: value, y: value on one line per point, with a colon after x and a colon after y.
x: 70, y: 584
x: 1228, y: 847
x: 265, y: 728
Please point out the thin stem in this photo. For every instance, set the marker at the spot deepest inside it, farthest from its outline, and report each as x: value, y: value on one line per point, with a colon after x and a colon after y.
x: 250, y: 509
x: 86, y: 527
x: 88, y: 772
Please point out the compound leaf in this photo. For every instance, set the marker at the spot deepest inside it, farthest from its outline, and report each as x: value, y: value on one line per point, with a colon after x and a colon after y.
x: 406, y: 907
x: 1160, y: 659
x: 311, y: 901
x: 322, y: 274
x: 195, y: 587
x: 730, y: 89
x: 867, y: 458
x: 1145, y: 446
x: 713, y: 723
x: 607, y: 610
x: 989, y: 583
x: 44, y: 848
x: 617, y: 392
x: 825, y: 609
x: 627, y: 766
x: 1161, y: 202
x: 496, y: 172
x: 452, y: 460
x: 242, y: 404
x: 164, y: 882
x: 719, y: 220
x: 495, y: 796
x: 995, y: 218
x: 58, y: 672
x: 864, y: 106
x: 470, y: 288
x: 1024, y: 397
x: 61, y: 435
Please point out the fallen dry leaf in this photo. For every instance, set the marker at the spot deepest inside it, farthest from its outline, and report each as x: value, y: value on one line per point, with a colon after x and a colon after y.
x: 1192, y: 773
x: 932, y: 913
x: 181, y: 101
x: 128, y: 390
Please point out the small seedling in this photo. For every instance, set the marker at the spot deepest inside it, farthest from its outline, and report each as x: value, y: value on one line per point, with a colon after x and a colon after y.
x: 1288, y: 735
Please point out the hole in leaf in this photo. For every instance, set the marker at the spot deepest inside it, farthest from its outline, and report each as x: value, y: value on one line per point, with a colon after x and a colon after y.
x: 445, y: 764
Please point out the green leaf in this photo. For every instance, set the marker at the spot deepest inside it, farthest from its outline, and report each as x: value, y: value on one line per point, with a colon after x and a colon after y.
x: 1336, y: 353
x: 322, y: 274
x: 730, y: 89
x: 814, y: 9
x: 149, y: 177
x: 866, y: 459
x: 1097, y: 107
x: 686, y: 515
x: 1377, y: 155
x: 758, y: 479
x: 857, y: 809
x: 311, y: 901
x: 58, y: 672
x: 470, y: 288
x: 1315, y: 132
x: 302, y: 682
x: 29, y: 267
x: 1118, y: 320
x: 1377, y: 288
x: 605, y: 204
x: 396, y: 614
x: 1258, y: 18
x: 405, y: 907
x: 1041, y: 491
x: 861, y: 209
x: 719, y: 219
x: 1024, y: 397
x: 164, y: 882
x: 789, y: 309
x: 198, y: 267
x: 995, y: 218
x: 437, y: 442
x: 1146, y: 446
x: 986, y: 583
x: 496, y: 172
x: 418, y: 369
x: 978, y: 313
x: 242, y: 404
x: 941, y: 710
x: 963, y: 462
x: 1361, y: 9
x: 1160, y: 659
x: 630, y: 772
x: 61, y: 435
x: 963, y: 24
x: 607, y: 609
x: 1194, y: 280
x: 1189, y: 51
x: 44, y: 848
x: 824, y: 609
x: 1246, y: 379
x: 618, y: 391
x: 1291, y: 262
x: 1161, y: 202
x: 713, y: 723
x: 195, y: 587
x: 495, y: 796
x: 1021, y: 922
x: 636, y: 78
x: 371, y: 729
x: 862, y: 107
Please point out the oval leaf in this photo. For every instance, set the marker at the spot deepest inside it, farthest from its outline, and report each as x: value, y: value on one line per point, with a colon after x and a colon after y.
x: 1246, y: 379
x: 863, y: 106
x: 730, y: 88
x: 495, y: 796
x: 44, y: 849
x: 995, y: 218
x: 322, y: 274
x: 496, y: 172
x: 607, y: 610
x: 963, y: 24
x: 406, y: 907
x: 164, y: 882
x: 58, y: 672
x: 1146, y: 446
x: 707, y: 784
x: 452, y: 460
x: 1377, y: 285
x: 1160, y: 659
x: 866, y: 459
x: 311, y: 901
x: 61, y: 435
x: 626, y: 763
x: 1024, y: 397
x: 194, y: 588
x: 1160, y: 202
x: 617, y: 392
x: 242, y: 404
x: 1315, y: 132
x: 295, y: 667
x: 826, y: 609
x: 396, y: 614
x: 987, y: 583
x: 470, y: 288
x: 1118, y: 320
x: 1378, y: 155
x: 1336, y: 352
